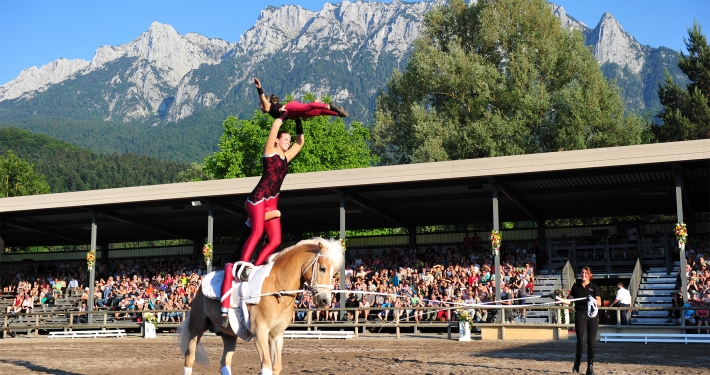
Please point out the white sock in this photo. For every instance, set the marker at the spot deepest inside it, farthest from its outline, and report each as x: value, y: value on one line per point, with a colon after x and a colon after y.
x: 226, y: 370
x: 187, y: 371
x: 267, y: 371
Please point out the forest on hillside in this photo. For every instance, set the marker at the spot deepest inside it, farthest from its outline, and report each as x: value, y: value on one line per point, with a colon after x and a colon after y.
x: 71, y: 168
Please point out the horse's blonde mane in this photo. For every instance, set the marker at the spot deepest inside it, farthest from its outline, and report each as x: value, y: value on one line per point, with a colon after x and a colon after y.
x: 331, y: 249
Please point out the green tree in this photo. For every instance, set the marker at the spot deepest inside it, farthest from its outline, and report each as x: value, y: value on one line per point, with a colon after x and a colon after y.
x: 686, y: 112
x: 194, y: 172
x: 500, y: 77
x: 328, y: 145
x: 17, y: 178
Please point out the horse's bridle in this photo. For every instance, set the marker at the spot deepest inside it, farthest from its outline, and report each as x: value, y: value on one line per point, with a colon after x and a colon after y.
x: 313, y: 288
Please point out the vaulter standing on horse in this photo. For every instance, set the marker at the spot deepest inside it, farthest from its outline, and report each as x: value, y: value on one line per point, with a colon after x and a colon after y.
x: 262, y: 203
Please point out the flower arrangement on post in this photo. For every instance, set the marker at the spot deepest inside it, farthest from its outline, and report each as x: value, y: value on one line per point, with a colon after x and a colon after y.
x: 342, y: 242
x: 465, y: 320
x: 207, y: 253
x: 496, y: 239
x: 91, y: 259
x: 150, y: 318
x: 564, y: 319
x: 465, y: 317
x: 681, y: 235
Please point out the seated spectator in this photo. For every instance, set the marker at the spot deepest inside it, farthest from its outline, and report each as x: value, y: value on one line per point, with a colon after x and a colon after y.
x: 351, y: 302
x: 689, y: 314
x: 298, y: 302
x: 73, y: 287
x: 85, y: 296
x: 81, y: 317
x: 27, y: 304
x: 701, y: 315
x: 365, y: 304
x: 16, y: 305
x: 415, y: 301
x: 387, y: 311
x: 333, y: 315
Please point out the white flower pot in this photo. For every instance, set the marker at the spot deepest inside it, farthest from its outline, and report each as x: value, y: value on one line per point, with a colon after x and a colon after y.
x: 464, y: 331
x: 148, y: 330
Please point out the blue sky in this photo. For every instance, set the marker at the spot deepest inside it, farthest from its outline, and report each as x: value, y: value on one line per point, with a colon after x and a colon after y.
x: 34, y: 33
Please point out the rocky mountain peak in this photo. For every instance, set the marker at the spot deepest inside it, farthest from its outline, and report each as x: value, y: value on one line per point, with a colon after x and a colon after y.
x: 168, y: 74
x: 614, y: 45
x: 38, y: 79
x: 567, y: 21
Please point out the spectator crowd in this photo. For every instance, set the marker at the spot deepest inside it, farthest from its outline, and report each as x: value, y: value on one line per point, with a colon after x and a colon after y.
x: 416, y: 284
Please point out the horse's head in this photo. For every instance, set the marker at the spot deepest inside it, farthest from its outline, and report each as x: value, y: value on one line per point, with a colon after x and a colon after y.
x: 318, y: 274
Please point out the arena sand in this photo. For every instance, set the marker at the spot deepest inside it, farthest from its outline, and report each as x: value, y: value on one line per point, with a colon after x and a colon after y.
x: 425, y: 354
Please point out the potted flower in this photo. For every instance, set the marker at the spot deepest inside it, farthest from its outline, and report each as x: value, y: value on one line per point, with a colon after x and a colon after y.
x: 564, y: 318
x: 465, y: 319
x: 207, y: 253
x: 496, y: 239
x: 681, y: 235
x: 150, y: 324
x: 90, y: 260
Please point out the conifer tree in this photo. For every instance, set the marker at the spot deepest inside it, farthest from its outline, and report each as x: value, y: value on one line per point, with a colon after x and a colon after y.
x: 686, y: 112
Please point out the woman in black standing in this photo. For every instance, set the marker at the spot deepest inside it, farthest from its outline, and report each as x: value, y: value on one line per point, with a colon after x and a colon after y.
x: 586, y: 319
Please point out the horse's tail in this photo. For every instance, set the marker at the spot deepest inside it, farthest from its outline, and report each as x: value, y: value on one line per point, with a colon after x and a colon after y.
x: 184, y: 342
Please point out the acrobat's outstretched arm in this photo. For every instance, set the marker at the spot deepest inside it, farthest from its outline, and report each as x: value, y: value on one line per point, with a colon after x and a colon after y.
x: 300, y: 140
x: 263, y: 102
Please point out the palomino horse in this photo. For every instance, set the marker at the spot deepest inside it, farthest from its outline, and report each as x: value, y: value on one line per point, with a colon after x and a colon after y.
x: 309, y: 263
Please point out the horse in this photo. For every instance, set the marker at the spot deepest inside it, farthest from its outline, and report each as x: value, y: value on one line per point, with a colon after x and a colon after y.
x: 311, y: 263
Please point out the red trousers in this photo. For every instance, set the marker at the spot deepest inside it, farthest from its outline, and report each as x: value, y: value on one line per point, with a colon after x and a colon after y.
x: 258, y: 227
x: 296, y: 110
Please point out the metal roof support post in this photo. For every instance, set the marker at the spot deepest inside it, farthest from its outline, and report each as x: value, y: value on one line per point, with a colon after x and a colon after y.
x: 210, y: 232
x: 548, y: 246
x: 573, y: 254
x: 343, y: 296
x: 607, y: 255
x: 667, y: 253
x: 541, y: 238
x: 92, y: 272
x: 2, y: 242
x: 412, y: 237
x: 679, y: 208
x: 496, y: 226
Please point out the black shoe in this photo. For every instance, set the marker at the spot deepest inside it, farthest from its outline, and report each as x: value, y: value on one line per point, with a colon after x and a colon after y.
x: 577, y: 359
x: 225, y: 321
x: 244, y: 275
x: 575, y: 368
x: 339, y: 110
x: 590, y: 360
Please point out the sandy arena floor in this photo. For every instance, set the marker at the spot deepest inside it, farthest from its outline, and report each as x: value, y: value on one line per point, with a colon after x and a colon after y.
x: 425, y: 354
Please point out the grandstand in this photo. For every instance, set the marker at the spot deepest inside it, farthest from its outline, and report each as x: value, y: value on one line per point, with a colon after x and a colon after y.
x: 665, y: 180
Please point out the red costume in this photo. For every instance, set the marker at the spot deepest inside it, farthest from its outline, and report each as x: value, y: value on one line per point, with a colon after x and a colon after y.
x: 263, y: 198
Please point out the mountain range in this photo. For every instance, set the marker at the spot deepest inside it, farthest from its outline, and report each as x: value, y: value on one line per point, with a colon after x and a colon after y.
x: 165, y: 94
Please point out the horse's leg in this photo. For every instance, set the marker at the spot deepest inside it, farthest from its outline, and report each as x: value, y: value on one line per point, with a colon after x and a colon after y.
x: 262, y: 347
x: 230, y: 343
x: 190, y: 353
x: 277, y: 344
